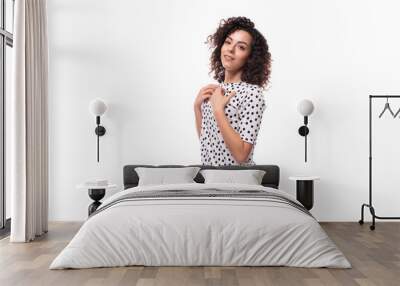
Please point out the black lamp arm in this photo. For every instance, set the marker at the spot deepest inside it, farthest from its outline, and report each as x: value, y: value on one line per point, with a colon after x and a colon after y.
x: 303, y: 131
x: 100, y: 131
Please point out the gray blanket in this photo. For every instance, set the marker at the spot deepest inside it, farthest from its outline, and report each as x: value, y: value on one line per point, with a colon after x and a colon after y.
x: 271, y: 196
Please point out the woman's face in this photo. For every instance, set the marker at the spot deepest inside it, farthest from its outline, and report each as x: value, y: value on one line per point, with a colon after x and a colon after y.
x: 236, y: 50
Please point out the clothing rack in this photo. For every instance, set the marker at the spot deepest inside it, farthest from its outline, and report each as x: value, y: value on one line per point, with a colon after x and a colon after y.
x: 369, y: 205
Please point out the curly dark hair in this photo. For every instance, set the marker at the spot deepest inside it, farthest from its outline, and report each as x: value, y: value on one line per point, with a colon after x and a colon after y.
x: 257, y: 68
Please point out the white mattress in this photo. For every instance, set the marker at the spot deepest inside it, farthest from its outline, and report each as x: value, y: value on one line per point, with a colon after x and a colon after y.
x: 200, y: 231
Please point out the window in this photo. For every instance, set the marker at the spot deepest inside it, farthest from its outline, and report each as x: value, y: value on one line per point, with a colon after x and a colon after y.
x: 6, y: 44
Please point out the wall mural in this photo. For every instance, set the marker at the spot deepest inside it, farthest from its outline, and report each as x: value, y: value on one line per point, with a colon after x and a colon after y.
x: 228, y: 115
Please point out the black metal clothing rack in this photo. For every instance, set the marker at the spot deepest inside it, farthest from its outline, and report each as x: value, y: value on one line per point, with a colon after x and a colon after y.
x: 369, y: 205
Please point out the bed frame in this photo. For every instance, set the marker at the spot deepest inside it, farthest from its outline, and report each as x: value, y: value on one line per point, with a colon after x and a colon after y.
x: 270, y: 179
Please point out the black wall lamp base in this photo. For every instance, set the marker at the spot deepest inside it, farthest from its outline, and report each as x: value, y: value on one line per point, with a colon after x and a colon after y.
x: 100, y: 130
x: 303, y: 130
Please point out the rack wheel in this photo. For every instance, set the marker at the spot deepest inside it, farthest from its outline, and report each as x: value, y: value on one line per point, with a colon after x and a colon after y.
x: 361, y: 222
x: 372, y: 227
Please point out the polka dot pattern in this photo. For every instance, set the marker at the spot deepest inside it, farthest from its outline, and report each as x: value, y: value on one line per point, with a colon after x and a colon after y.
x: 244, y: 113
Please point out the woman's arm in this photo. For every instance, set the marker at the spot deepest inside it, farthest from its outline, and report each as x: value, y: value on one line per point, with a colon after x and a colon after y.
x: 203, y: 94
x: 199, y: 117
x: 240, y: 149
x: 239, y: 143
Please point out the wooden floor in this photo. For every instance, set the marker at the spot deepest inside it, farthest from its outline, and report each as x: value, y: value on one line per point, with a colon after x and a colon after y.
x: 374, y: 255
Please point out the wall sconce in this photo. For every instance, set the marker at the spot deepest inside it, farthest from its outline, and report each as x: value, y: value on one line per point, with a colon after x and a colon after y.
x: 305, y: 108
x: 97, y: 107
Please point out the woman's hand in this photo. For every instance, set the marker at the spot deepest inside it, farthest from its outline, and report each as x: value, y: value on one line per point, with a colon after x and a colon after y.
x: 204, y: 94
x: 218, y: 100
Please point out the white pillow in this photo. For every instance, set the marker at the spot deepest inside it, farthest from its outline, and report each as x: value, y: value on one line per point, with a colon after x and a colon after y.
x: 249, y: 177
x: 163, y: 176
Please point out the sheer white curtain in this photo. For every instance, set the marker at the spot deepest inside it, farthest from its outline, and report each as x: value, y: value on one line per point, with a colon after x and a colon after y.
x: 29, y: 122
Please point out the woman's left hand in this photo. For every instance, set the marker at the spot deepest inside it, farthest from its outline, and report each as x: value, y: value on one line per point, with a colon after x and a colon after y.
x: 218, y: 100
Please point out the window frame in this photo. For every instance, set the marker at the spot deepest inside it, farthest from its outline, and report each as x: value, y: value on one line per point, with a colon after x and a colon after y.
x: 6, y: 39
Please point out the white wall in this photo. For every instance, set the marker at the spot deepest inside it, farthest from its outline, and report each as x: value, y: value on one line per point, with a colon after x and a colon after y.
x: 147, y: 60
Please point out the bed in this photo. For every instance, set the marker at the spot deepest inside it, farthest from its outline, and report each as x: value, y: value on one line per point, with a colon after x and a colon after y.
x: 201, y: 224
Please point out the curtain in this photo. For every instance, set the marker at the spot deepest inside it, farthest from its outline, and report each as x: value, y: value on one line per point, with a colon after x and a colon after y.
x: 29, y: 122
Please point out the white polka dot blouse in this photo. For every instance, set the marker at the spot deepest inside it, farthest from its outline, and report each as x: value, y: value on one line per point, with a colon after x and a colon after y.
x: 244, y: 112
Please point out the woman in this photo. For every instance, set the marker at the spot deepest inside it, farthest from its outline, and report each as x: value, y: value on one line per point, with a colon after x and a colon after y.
x: 229, y: 114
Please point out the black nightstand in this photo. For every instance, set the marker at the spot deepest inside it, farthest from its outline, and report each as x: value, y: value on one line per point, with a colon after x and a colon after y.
x: 96, y: 193
x: 305, y: 190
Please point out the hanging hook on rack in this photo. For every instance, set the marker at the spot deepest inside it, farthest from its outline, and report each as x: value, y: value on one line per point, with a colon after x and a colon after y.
x: 395, y: 115
x: 387, y: 107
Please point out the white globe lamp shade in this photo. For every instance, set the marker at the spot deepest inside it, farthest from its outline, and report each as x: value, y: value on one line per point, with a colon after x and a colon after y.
x: 305, y: 107
x: 97, y: 107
